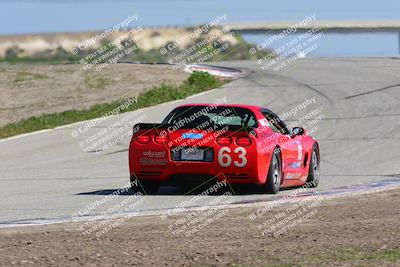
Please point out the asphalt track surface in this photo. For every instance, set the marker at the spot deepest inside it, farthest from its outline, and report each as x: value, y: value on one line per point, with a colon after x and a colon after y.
x: 48, y: 175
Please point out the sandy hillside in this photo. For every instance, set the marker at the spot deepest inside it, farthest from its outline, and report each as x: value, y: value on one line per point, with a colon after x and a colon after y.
x: 28, y: 90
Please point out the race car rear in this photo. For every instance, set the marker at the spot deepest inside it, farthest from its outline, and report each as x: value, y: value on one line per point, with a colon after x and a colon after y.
x: 196, y: 143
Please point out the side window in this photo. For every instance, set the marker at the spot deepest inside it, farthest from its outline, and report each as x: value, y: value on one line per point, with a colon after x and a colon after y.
x: 276, y: 124
x: 271, y: 122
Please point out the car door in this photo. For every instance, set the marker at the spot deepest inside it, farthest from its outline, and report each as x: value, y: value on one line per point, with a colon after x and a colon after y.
x: 291, y: 149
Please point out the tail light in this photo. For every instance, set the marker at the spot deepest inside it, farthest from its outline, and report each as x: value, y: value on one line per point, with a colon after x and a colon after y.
x: 243, y: 141
x: 224, y: 140
x: 143, y: 139
x: 161, y: 139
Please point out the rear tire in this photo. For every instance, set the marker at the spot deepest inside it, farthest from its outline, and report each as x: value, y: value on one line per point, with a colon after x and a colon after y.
x: 274, y: 178
x: 313, y: 172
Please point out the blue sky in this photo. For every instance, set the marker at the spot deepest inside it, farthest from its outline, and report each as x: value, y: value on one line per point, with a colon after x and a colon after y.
x: 29, y: 16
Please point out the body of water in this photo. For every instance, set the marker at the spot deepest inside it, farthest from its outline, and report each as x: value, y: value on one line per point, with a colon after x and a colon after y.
x: 342, y: 44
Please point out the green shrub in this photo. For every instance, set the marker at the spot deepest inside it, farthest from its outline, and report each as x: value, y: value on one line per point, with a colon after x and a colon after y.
x: 202, y: 79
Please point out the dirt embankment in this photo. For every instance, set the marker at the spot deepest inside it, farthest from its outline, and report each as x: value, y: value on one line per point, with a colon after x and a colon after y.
x: 362, y: 231
x: 30, y: 90
x: 29, y: 45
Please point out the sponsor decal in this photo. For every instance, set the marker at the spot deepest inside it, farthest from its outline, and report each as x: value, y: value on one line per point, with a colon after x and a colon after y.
x: 192, y: 136
x: 295, y: 165
x: 153, y: 161
x: 289, y: 176
x: 154, y: 154
x: 296, y: 175
x: 299, y: 150
x: 293, y: 176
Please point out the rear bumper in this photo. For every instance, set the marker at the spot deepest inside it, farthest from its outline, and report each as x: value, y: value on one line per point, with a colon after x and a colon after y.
x: 158, y: 166
x: 186, y: 172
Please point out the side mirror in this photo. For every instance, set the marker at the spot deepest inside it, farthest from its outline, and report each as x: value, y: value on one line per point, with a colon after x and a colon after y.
x: 297, y: 131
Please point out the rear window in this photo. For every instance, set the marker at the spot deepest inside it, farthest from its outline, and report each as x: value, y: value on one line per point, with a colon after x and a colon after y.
x: 220, y: 116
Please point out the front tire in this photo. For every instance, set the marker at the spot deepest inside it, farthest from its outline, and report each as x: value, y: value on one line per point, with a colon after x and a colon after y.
x: 274, y: 178
x: 313, y: 172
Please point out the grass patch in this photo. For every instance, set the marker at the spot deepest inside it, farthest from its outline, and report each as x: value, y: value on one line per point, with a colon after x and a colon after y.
x: 42, y: 60
x: 65, y: 71
x: 196, y: 83
x: 97, y: 82
x: 354, y: 253
x: 387, y: 255
x: 24, y: 76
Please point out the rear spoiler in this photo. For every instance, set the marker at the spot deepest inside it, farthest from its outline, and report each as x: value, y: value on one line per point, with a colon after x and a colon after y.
x: 163, y: 126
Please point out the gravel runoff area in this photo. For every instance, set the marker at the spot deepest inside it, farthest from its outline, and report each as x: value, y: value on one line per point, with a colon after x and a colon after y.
x: 360, y: 230
x: 33, y: 89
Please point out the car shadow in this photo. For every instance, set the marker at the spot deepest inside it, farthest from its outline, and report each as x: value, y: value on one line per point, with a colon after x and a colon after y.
x: 169, y: 190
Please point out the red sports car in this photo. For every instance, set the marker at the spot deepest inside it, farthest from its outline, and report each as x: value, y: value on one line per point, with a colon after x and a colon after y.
x: 241, y: 144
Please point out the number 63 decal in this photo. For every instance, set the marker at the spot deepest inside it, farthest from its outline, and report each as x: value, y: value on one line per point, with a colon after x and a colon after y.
x: 225, y: 159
